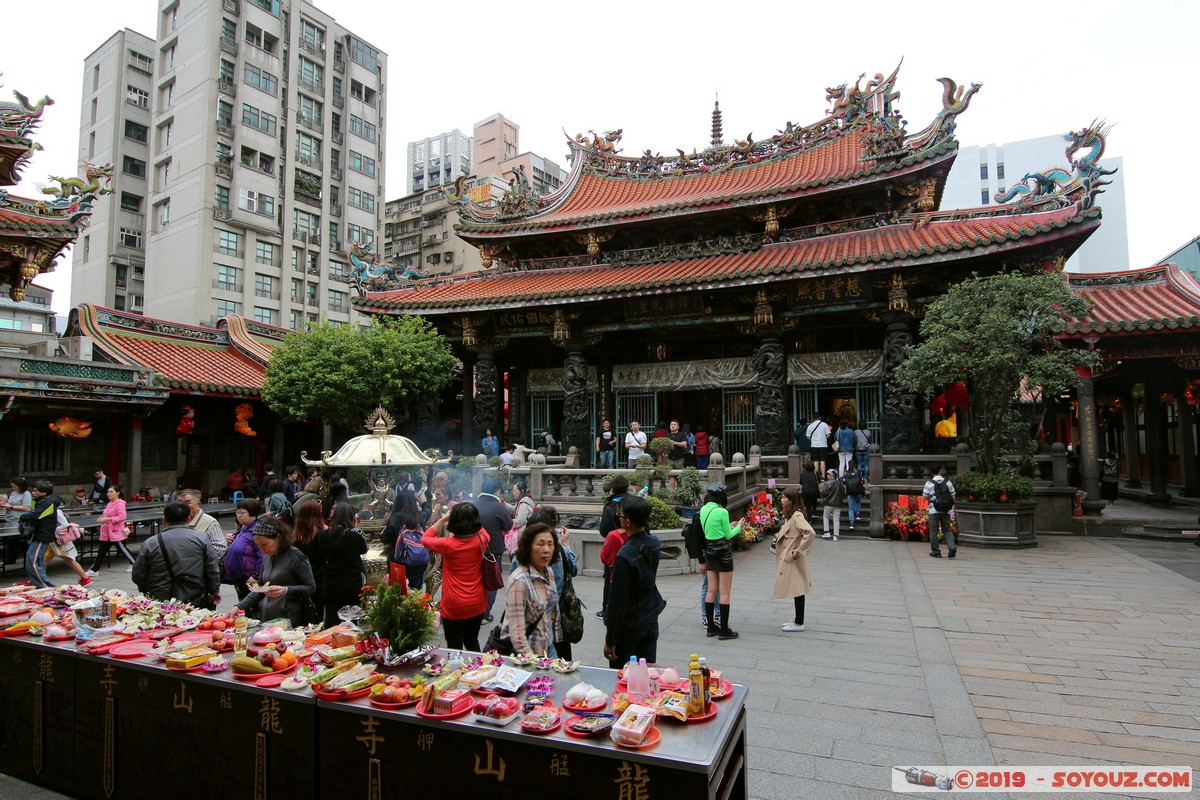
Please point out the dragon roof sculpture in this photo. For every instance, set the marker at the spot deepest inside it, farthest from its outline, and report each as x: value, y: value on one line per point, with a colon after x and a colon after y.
x: 1057, y: 186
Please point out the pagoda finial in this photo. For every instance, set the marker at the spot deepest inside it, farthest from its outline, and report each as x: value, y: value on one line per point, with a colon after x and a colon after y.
x: 717, y: 137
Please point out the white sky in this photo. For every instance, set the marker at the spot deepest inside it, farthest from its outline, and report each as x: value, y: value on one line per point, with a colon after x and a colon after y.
x: 653, y: 69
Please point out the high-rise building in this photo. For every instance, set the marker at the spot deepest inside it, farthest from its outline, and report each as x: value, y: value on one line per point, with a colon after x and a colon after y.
x: 418, y: 230
x: 265, y: 161
x: 980, y: 173
x: 438, y: 161
x: 108, y: 262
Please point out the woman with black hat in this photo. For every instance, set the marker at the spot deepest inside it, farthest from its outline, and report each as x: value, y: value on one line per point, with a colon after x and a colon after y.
x: 718, y: 558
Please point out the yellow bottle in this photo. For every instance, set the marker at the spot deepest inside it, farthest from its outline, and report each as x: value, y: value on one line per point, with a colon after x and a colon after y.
x: 240, y: 637
x: 696, y: 705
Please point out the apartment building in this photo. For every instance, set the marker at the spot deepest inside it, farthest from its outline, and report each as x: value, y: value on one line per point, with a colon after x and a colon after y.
x: 982, y: 172
x: 438, y: 161
x: 108, y: 262
x: 265, y: 161
x: 496, y: 152
x: 418, y: 230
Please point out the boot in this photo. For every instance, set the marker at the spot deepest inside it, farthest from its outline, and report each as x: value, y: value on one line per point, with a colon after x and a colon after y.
x: 724, y: 632
x: 713, y: 628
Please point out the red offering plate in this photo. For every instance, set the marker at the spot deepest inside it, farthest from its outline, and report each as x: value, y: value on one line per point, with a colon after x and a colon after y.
x: 598, y: 707
x: 726, y: 691
x: 393, y: 706
x: 453, y: 715
x: 653, y: 737
x: 254, y: 676
x: 542, y: 731
x: 103, y: 646
x: 487, y: 691
x: 135, y: 648
x: 709, y: 713
x: 9, y: 634
x: 267, y: 681
x: 58, y: 638
x: 339, y: 695
x: 190, y: 638
x: 15, y: 609
x: 578, y: 734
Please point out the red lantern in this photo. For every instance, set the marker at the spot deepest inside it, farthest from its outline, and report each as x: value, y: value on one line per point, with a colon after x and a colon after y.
x: 938, y: 405
x: 187, y: 421
x: 956, y: 394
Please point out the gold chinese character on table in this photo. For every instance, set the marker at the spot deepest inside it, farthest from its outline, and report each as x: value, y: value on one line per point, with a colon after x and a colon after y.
x: 16, y: 656
x: 370, y: 737
x: 143, y: 683
x: 490, y: 769
x: 227, y: 700
x: 269, y: 721
x: 180, y: 700
x: 108, y: 682
x: 559, y: 765
x: 633, y: 782
x: 425, y: 741
x: 46, y: 668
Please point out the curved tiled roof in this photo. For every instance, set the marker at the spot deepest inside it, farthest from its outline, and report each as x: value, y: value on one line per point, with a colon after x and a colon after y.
x: 1155, y: 300
x: 59, y: 227
x: 596, y: 198
x: 894, y: 243
x: 187, y: 358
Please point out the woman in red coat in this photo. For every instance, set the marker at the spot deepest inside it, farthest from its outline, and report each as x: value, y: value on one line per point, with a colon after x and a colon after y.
x: 461, y: 541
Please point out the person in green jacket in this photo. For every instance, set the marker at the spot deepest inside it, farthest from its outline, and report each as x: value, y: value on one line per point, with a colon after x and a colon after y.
x: 718, y: 558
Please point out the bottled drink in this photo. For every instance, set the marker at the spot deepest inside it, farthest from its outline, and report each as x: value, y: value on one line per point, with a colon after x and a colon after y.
x: 707, y: 678
x: 696, y: 704
x: 239, y: 634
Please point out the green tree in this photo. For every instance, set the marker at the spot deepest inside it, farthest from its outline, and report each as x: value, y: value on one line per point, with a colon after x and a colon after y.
x: 997, y: 334
x: 339, y: 374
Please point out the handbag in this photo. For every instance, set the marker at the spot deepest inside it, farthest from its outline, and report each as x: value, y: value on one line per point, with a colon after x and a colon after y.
x: 502, y: 644
x: 835, y: 447
x: 511, y: 537
x: 570, y: 611
x: 493, y: 579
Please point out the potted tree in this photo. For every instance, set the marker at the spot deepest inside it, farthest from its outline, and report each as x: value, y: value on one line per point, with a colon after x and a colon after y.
x: 997, y: 334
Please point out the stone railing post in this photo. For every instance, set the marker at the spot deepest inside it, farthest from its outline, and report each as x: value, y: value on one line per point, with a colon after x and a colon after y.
x: 477, y: 472
x: 1058, y: 464
x: 875, y: 463
x: 795, y: 464
x: 716, y: 469
x: 537, y: 477
x: 962, y: 458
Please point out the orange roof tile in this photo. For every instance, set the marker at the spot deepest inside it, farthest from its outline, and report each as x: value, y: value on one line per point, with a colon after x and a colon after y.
x: 187, y: 358
x: 594, y: 198
x: 1154, y: 300
x: 909, y: 241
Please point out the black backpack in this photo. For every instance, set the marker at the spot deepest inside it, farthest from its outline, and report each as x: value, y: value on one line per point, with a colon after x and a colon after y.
x: 854, y: 483
x: 693, y: 537
x: 943, y: 499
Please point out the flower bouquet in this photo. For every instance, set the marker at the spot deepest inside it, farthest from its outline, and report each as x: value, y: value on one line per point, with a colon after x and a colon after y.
x: 762, y: 519
x: 406, y: 621
x: 911, y: 522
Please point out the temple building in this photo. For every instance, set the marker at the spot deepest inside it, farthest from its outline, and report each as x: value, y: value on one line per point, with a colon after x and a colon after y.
x: 744, y: 287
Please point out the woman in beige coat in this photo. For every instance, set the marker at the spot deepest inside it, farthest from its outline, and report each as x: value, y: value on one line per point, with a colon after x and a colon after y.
x: 791, y: 547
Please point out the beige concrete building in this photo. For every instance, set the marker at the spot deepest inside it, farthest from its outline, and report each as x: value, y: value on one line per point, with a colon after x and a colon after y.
x: 418, y: 230
x: 438, y: 161
x: 108, y: 262
x: 265, y: 161
x: 496, y: 152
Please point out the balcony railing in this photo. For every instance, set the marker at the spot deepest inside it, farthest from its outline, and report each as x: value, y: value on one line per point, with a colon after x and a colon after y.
x: 227, y: 286
x: 228, y: 251
x: 224, y: 129
x: 229, y: 46
x: 335, y: 209
x: 335, y: 246
x: 315, y: 87
x: 339, y: 65
x: 222, y: 214
x: 308, y: 160
x: 336, y: 173
x: 271, y: 294
x: 223, y: 169
x: 227, y: 86
x: 338, y: 275
x: 141, y: 64
x: 312, y: 123
x: 233, y: 7
x: 339, y: 100
x: 338, y: 138
x: 312, y: 49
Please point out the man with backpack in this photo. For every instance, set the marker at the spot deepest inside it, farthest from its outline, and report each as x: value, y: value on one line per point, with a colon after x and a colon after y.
x: 940, y: 492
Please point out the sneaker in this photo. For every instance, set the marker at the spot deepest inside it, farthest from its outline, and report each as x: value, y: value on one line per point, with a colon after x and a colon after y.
x: 85, y: 581
x: 725, y: 634
x: 836, y: 537
x: 851, y: 526
x: 130, y: 569
x: 935, y: 555
x: 826, y: 535
x: 953, y: 552
x: 791, y: 627
x: 91, y: 573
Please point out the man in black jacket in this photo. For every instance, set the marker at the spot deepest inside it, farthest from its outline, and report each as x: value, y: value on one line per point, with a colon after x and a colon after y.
x: 40, y: 521
x: 497, y: 520
x: 178, y: 563
x: 631, y: 620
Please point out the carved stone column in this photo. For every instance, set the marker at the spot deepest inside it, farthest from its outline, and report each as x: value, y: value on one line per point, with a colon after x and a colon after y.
x: 901, y: 427
x: 575, y: 428
x: 770, y: 378
x: 1133, y: 457
x: 467, y: 431
x: 487, y: 402
x: 1089, y: 444
x: 1156, y: 443
x: 1187, y: 451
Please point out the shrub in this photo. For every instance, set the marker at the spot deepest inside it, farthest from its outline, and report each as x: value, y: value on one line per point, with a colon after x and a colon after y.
x: 662, y: 516
x: 992, y: 488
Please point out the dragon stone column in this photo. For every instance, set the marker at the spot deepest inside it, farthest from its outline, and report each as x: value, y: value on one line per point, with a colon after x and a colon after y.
x: 487, y: 404
x: 1089, y: 443
x: 575, y: 427
x: 770, y: 378
x: 901, y: 427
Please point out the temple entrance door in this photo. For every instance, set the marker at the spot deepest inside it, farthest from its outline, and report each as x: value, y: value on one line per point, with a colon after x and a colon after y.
x: 196, y: 463
x: 642, y: 408
x: 544, y: 413
x: 860, y: 403
x: 737, y: 423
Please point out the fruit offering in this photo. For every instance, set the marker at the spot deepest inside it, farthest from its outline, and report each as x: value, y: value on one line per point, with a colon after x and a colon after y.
x: 501, y: 709
x: 394, y: 689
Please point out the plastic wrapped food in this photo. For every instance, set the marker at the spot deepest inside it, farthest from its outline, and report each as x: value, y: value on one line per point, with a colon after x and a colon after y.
x: 672, y: 704
x: 577, y: 694
x: 478, y: 677
x: 633, y: 725
x: 508, y: 679
x: 542, y: 718
x: 591, y: 724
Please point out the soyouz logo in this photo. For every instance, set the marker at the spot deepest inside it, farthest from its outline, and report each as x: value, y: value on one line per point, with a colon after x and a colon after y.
x: 1115, y: 780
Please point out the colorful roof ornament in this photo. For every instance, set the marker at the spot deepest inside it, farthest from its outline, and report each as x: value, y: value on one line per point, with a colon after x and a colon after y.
x: 1057, y: 186
x: 367, y: 275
